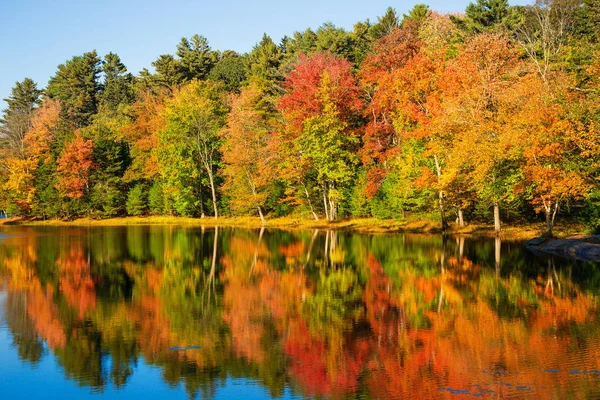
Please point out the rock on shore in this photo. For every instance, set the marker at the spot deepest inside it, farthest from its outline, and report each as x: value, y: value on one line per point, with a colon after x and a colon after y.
x: 584, y: 248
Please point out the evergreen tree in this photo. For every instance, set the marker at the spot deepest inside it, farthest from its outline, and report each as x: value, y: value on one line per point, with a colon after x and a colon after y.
x: 117, y: 84
x: 136, y: 201
x: 262, y: 66
x: 301, y: 42
x: 418, y: 14
x: 334, y: 39
x: 168, y: 72
x: 230, y: 70
x: 77, y: 86
x: 196, y: 58
x: 16, y: 117
x: 385, y: 24
x: 490, y: 15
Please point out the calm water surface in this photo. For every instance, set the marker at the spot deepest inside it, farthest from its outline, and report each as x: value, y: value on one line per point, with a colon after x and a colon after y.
x: 172, y: 312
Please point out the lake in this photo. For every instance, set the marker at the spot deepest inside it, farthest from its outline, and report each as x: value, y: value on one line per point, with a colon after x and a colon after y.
x: 179, y: 312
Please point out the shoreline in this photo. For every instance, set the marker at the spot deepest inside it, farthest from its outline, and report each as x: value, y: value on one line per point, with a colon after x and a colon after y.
x: 361, y: 225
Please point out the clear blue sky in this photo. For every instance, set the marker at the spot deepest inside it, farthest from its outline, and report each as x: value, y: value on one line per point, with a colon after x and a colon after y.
x: 38, y: 35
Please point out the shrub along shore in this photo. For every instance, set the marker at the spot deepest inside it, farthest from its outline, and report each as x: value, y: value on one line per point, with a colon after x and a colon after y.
x: 361, y: 225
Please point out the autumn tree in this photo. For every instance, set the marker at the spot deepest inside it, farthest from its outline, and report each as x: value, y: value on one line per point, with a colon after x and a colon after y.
x: 21, y: 168
x: 378, y: 74
x: 74, y: 166
x: 247, y: 154
x: 141, y: 134
x: 554, y: 148
x: 477, y: 112
x: 321, y: 106
x: 194, y: 118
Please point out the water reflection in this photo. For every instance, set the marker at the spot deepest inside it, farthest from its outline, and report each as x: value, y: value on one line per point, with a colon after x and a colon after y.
x: 314, y: 313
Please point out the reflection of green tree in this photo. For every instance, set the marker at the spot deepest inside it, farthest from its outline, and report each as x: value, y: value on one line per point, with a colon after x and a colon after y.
x: 118, y: 340
x: 114, y: 284
x: 509, y: 297
x: 335, y: 302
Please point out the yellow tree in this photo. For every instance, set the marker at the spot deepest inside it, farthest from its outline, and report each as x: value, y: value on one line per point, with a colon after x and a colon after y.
x: 247, y: 153
x: 142, y: 135
x: 480, y: 116
x: 36, y: 148
x: 553, y: 146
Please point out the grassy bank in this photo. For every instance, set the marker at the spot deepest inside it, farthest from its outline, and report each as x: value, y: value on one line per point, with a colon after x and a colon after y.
x: 367, y: 225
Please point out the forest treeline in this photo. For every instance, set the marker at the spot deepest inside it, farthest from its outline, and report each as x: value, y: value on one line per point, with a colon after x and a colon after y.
x: 487, y: 115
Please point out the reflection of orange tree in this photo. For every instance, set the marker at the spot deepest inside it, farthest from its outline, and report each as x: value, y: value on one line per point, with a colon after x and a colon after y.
x: 76, y: 282
x: 18, y: 261
x: 44, y: 314
x: 19, y: 257
x: 403, y: 359
x: 244, y: 311
x: 471, y: 331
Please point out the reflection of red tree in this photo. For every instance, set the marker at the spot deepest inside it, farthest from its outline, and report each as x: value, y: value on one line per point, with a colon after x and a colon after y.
x: 292, y: 252
x: 325, y: 367
x: 383, y: 316
x: 76, y: 283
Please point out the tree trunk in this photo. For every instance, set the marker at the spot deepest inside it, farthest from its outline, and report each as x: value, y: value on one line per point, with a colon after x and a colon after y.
x: 314, y: 214
x: 332, y: 210
x: 260, y: 236
x: 548, y: 223
x: 438, y: 170
x: 461, y: 220
x: 209, y: 288
x: 212, y: 189
x: 444, y: 251
x: 550, y: 217
x: 332, y: 206
x: 213, y: 263
x: 325, y: 203
x: 312, y: 242
x: 497, y: 226
x: 262, y: 218
x: 201, y: 204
